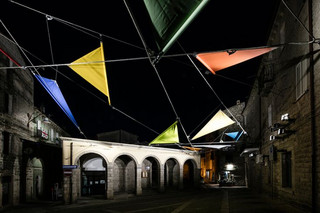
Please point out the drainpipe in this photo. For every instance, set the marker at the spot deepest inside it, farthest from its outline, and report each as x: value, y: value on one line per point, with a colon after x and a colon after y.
x: 312, y: 114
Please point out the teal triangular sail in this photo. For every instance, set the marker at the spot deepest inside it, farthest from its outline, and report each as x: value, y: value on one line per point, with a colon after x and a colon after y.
x: 53, y: 89
x: 165, y: 20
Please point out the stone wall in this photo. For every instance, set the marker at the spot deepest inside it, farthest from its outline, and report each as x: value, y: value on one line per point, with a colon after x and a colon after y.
x: 269, y: 103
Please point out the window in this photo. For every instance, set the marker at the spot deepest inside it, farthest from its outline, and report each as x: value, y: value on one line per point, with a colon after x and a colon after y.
x: 301, y: 78
x: 8, y: 103
x: 6, y: 142
x: 270, y: 116
x: 52, y: 135
x: 286, y: 169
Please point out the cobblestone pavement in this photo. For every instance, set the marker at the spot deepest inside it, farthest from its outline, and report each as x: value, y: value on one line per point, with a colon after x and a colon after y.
x: 207, y: 199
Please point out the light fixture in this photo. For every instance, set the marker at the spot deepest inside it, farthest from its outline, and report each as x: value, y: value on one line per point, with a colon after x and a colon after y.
x: 31, y: 118
x: 230, y: 167
x: 285, y: 117
x: 281, y: 131
x: 272, y: 137
x: 46, y: 120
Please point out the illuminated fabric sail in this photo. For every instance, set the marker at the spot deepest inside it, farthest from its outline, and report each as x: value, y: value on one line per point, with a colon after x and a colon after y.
x: 169, y: 136
x: 234, y: 135
x: 92, y: 68
x: 53, y: 89
x: 218, y: 121
x: 215, y: 61
x: 168, y: 18
x: 212, y: 146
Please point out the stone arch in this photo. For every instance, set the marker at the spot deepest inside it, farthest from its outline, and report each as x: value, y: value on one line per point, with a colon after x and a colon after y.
x: 189, y: 173
x: 34, y: 179
x: 150, y: 173
x: 171, y: 173
x: 77, y: 162
x: 124, y: 174
x: 93, y: 176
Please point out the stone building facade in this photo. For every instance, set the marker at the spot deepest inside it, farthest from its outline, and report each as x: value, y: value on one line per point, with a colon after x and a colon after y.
x: 107, y: 168
x: 282, y: 113
x: 29, y: 149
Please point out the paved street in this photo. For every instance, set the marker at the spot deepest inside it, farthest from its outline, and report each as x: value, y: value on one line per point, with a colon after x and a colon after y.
x: 208, y: 199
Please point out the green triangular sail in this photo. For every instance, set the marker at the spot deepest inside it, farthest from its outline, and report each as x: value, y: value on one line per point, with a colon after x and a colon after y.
x: 169, y: 136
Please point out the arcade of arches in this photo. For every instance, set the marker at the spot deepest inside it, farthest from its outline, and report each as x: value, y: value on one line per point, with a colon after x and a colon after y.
x: 107, y: 169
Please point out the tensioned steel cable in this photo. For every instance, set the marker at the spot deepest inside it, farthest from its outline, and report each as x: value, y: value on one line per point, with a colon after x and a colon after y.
x: 62, y: 74
x: 32, y: 71
x: 214, y: 92
x: 156, y: 71
x: 300, y: 22
x: 76, y: 26
x: 48, y: 18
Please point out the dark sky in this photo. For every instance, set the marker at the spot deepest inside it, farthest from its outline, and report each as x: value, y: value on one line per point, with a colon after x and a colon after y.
x: 134, y: 86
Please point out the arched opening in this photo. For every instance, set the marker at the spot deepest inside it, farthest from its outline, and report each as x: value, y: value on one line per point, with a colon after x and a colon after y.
x: 188, y: 174
x: 150, y: 174
x: 34, y: 179
x: 124, y: 175
x: 171, y: 171
x: 93, y: 175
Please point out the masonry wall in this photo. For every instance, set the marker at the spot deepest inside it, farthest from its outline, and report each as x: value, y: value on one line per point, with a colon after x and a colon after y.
x: 277, y: 96
x: 16, y: 98
x: 316, y: 57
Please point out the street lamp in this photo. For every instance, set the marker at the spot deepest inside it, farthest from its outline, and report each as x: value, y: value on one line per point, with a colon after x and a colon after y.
x: 30, y: 119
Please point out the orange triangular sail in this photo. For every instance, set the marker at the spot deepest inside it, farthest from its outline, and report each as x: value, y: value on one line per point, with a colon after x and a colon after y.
x: 215, y: 61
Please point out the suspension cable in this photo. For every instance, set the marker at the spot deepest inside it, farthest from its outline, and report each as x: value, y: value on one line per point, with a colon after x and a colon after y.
x: 214, y: 92
x: 32, y: 71
x: 156, y: 70
x: 49, y: 18
x: 94, y: 34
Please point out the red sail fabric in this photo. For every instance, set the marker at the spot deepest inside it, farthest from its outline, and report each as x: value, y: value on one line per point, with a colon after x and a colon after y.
x: 216, y: 61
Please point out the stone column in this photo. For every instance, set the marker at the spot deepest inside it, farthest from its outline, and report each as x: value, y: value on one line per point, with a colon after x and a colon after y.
x: 181, y: 178
x: 66, y: 189
x: 76, y: 184
x: 138, y: 180
x: 161, y: 178
x: 16, y: 183
x: 109, y: 181
x: 196, y: 177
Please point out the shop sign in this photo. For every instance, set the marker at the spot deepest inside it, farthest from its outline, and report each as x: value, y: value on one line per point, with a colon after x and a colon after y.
x: 70, y: 166
x: 44, y: 135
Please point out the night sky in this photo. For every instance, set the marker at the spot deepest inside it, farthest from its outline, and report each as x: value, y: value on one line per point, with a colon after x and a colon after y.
x: 134, y: 86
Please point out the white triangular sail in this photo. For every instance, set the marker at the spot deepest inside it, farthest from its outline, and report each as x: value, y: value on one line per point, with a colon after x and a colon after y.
x: 218, y: 121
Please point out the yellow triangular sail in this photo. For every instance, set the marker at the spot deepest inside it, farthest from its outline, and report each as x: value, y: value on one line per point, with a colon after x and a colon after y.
x: 169, y: 136
x: 92, y: 68
x: 218, y: 121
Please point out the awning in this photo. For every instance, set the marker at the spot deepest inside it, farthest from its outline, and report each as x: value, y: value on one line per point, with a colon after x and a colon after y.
x: 218, y: 121
x: 249, y: 151
x: 215, y: 61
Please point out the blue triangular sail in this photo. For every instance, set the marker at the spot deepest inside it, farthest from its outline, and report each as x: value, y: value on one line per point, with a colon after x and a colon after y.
x: 53, y: 89
x: 234, y: 135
